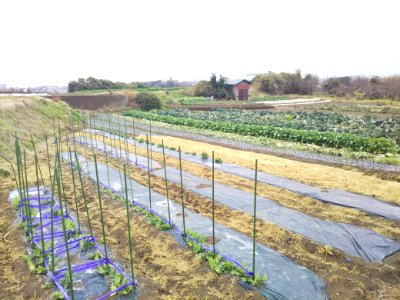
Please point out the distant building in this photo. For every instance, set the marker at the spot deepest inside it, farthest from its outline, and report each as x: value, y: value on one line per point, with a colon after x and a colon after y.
x: 240, y: 88
x: 3, y: 86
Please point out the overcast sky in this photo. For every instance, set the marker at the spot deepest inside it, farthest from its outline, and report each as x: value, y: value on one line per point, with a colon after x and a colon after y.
x: 53, y: 42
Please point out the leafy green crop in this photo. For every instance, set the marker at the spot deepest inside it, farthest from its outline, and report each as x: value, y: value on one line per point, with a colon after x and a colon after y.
x: 334, y: 139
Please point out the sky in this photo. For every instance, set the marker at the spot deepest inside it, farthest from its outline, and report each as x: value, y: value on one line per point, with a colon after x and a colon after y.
x: 56, y: 41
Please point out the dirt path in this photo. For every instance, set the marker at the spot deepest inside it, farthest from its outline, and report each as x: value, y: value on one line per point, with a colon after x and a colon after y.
x: 294, y: 102
x: 347, y: 279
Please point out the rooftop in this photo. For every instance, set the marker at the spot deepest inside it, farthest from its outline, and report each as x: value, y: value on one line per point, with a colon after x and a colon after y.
x: 236, y: 81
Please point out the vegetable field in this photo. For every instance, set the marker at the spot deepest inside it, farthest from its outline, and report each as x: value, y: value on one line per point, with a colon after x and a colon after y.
x: 336, y: 131
x: 109, y: 207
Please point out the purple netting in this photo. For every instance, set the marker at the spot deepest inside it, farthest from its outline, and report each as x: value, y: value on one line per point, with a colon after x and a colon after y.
x: 41, y: 235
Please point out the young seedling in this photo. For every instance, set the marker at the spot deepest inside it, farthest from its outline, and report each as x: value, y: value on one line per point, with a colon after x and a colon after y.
x: 204, y: 155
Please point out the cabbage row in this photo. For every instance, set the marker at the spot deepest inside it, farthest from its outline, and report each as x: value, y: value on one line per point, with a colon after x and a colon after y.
x: 320, y: 138
x: 361, y: 125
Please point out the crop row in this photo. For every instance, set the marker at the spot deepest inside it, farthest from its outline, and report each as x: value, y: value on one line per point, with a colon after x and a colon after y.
x: 362, y: 125
x: 320, y: 138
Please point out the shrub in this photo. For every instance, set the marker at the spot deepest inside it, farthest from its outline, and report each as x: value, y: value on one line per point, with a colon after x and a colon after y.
x: 218, y: 160
x: 147, y: 101
x: 204, y: 155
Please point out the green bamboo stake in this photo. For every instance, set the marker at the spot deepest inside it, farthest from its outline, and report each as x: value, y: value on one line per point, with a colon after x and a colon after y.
x: 126, y: 143
x: 109, y: 127
x: 119, y: 139
x: 129, y: 225
x: 66, y: 135
x: 254, y: 220
x: 27, y: 194
x: 183, y: 204
x: 34, y: 149
x: 213, y: 202
x: 101, y: 207
x: 40, y: 204
x: 65, y: 234
x: 130, y: 183
x: 103, y: 135
x: 22, y: 187
x: 134, y: 138
x: 84, y: 149
x: 23, y: 183
x: 148, y: 169
x: 166, y: 181
x: 62, y: 183
x: 52, y: 214
x: 108, y: 171
x: 18, y: 158
x: 54, y: 128
x: 151, y: 150
x: 83, y: 193
x: 48, y: 156
x: 74, y: 189
x: 59, y: 137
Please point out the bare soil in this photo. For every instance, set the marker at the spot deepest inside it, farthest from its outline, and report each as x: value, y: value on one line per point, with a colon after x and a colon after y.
x: 16, y: 282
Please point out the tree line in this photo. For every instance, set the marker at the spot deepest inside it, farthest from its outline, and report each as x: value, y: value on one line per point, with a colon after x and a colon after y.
x: 92, y: 83
x: 360, y: 87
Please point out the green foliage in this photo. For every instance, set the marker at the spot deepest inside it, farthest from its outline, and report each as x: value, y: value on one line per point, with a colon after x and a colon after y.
x: 147, y: 101
x: 285, y: 83
x: 95, y: 255
x: 317, y: 136
x: 105, y: 269
x: 256, y: 281
x: 24, y: 226
x: 57, y: 295
x: 159, y: 223
x: 92, y: 83
x: 4, y: 173
x: 216, y: 88
x: 35, y: 261
x: 204, y: 155
x: 194, y: 153
x: 216, y: 262
x: 16, y: 202
x: 69, y: 225
x: 116, y: 279
x: 86, y: 245
x: 66, y: 281
x: 154, y: 220
x: 172, y: 148
x: 219, y: 160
